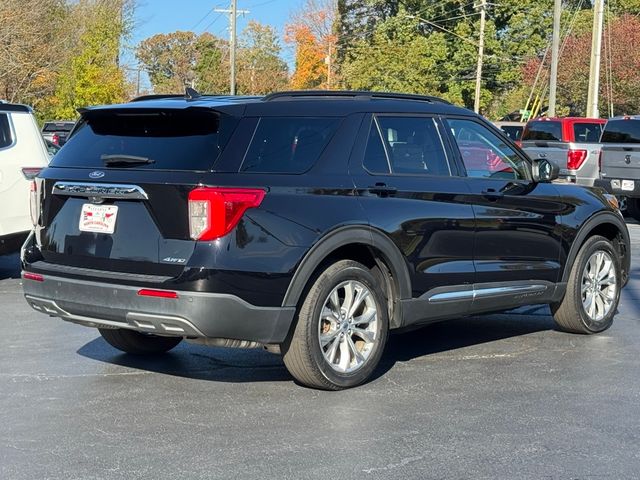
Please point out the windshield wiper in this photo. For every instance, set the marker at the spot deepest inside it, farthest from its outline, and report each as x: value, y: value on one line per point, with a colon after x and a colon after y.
x: 120, y: 160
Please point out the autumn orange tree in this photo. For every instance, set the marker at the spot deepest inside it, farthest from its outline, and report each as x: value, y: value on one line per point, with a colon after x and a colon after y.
x: 311, y: 32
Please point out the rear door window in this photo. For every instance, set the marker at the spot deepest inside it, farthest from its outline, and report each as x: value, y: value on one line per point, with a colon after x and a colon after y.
x: 189, y: 139
x: 587, y: 132
x: 543, y: 130
x: 5, y: 131
x: 405, y: 145
x: 621, y: 131
x: 288, y: 144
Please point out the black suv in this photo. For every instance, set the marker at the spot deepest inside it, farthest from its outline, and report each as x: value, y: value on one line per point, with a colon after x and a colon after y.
x: 311, y: 224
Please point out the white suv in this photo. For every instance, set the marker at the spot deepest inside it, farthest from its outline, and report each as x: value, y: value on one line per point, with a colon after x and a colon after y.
x: 22, y: 155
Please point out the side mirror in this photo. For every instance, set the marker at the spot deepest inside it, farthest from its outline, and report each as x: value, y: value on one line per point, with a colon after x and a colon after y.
x: 544, y: 170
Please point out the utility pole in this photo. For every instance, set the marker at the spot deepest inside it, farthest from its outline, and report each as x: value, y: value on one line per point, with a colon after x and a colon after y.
x: 327, y: 60
x: 594, y: 69
x: 483, y: 13
x: 555, y: 50
x: 233, y: 17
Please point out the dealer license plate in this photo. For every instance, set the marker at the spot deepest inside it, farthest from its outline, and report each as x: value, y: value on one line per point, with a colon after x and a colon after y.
x: 98, y: 218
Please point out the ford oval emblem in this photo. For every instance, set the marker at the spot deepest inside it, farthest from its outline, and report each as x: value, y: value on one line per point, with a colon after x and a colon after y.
x: 96, y: 174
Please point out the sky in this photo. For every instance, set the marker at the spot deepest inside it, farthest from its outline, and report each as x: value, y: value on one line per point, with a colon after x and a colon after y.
x: 164, y: 16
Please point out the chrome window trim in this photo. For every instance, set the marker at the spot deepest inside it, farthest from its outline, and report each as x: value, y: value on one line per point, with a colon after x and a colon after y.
x: 100, y: 190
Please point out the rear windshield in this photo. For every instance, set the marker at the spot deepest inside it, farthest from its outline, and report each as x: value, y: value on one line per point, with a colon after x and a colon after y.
x: 288, y: 144
x: 57, y: 127
x: 587, y: 132
x: 512, y: 131
x: 621, y: 131
x: 190, y: 139
x: 549, y: 131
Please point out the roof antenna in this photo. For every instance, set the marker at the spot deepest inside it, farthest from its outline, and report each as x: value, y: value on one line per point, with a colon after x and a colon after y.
x: 191, y: 93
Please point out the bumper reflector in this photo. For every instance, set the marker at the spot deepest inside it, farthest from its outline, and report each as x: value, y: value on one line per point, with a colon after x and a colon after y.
x: 36, y: 277
x: 157, y: 293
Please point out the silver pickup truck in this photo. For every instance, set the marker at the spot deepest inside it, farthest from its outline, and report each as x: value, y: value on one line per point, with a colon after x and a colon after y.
x: 570, y: 142
x: 620, y: 161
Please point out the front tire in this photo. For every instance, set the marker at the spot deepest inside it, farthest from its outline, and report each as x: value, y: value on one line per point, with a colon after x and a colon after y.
x: 130, y: 341
x: 593, y: 290
x: 341, y: 330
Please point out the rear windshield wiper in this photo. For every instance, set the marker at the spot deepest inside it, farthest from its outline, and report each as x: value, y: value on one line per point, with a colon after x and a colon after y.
x: 120, y: 160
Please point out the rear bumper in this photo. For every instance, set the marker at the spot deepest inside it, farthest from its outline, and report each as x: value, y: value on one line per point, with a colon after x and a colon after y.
x: 615, y: 188
x: 191, y: 314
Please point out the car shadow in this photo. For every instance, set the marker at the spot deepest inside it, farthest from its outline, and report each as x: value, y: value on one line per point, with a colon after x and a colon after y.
x: 236, y: 365
x: 9, y: 266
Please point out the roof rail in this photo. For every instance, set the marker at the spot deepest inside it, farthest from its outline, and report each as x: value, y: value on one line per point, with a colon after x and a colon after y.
x: 352, y: 94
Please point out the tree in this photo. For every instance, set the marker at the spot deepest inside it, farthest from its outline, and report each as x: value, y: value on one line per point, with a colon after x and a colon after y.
x: 92, y: 74
x: 312, y: 32
x: 260, y: 68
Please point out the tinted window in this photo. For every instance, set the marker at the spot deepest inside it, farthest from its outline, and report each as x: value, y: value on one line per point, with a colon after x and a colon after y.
x: 173, y: 139
x: 288, y: 144
x: 5, y: 131
x: 621, y: 131
x: 543, y: 130
x: 413, y: 145
x: 57, y: 127
x: 375, y: 158
x: 587, y: 132
x: 484, y: 153
x: 512, y: 131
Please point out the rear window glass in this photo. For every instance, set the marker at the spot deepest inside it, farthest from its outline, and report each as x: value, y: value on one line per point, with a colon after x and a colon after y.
x: 587, y: 132
x: 188, y: 139
x: 621, y: 131
x: 549, y: 131
x: 57, y: 127
x: 512, y: 131
x: 5, y: 131
x: 288, y: 144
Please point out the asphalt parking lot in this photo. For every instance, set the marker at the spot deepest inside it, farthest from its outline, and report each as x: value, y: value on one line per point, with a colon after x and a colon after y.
x: 500, y: 396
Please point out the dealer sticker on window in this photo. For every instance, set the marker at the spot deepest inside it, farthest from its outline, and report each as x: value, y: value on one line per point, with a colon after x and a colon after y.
x: 98, y: 218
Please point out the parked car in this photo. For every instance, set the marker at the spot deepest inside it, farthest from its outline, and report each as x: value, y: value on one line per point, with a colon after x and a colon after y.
x: 310, y: 224
x: 513, y: 130
x: 57, y: 132
x: 620, y: 161
x: 571, y: 142
x: 22, y: 156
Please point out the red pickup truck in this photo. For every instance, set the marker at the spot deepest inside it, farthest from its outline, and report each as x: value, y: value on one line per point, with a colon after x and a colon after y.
x: 571, y: 142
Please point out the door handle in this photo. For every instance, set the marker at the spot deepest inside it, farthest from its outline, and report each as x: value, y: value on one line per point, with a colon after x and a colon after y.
x: 383, y: 189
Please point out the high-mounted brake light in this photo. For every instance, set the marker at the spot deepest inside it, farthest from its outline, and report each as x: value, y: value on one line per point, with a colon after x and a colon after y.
x: 145, y: 292
x: 575, y: 159
x: 214, y: 212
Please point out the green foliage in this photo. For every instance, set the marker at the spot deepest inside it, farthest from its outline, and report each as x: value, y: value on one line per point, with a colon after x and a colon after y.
x: 93, y: 75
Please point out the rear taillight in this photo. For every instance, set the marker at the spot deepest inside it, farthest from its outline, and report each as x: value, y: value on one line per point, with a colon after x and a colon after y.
x: 34, y: 207
x: 575, y: 159
x: 31, y: 172
x: 518, y: 143
x: 214, y: 212
x: 55, y: 138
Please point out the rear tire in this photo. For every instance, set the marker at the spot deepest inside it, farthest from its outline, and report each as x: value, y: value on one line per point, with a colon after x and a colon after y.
x: 341, y: 329
x: 130, y: 341
x: 593, y: 290
x: 633, y: 208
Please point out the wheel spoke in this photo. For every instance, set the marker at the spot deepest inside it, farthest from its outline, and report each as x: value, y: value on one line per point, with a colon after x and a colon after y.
x: 599, y: 307
x: 345, y: 356
x: 328, y: 314
x: 334, y: 299
x: 357, y: 356
x: 365, y: 318
x: 348, y: 296
x: 327, y: 338
x: 366, y: 335
x: 331, y: 353
x: 361, y: 295
x: 589, y: 304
